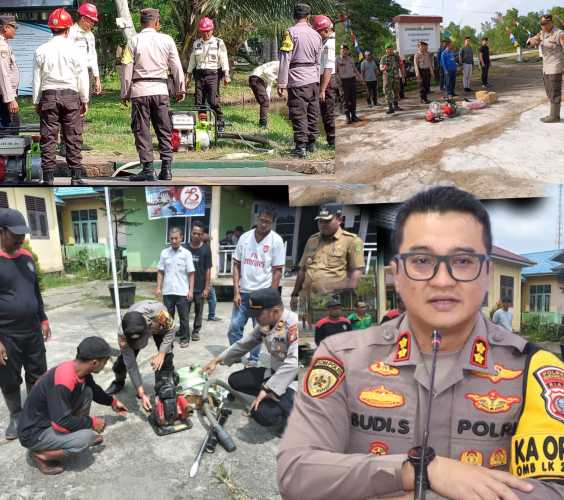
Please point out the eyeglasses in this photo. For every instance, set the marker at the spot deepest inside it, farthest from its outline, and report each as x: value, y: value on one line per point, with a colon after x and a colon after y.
x: 462, y: 267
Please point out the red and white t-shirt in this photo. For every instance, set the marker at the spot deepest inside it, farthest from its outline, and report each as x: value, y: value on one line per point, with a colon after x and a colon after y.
x: 258, y: 258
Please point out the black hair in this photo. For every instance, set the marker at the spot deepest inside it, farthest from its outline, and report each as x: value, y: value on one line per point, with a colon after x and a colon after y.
x: 443, y: 199
x: 175, y: 230
x: 229, y: 231
x: 132, y: 323
x: 199, y: 224
x: 84, y: 360
x: 485, y: 39
x: 58, y: 31
x: 240, y: 229
x: 268, y: 210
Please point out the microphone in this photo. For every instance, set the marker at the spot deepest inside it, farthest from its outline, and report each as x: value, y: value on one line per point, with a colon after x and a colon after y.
x: 421, y: 481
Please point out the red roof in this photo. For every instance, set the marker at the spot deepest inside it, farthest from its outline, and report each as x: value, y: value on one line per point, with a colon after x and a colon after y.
x: 418, y: 19
x: 507, y: 255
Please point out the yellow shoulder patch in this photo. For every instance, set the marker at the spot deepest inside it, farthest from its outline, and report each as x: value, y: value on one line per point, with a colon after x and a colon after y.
x: 324, y: 377
x: 287, y: 43
x: 127, y: 56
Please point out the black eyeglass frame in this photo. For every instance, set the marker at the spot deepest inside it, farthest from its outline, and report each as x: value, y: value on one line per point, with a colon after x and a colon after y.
x: 442, y: 258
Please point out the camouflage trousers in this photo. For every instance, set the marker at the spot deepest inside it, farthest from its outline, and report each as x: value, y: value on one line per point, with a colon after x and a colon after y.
x: 391, y: 90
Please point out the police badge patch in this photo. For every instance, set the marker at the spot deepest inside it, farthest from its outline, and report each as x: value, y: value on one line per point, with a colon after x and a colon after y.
x: 324, y: 377
x: 551, y: 379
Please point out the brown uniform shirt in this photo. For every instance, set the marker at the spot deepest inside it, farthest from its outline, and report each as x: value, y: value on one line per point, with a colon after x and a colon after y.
x: 362, y: 403
x: 552, y: 46
x: 422, y: 61
x: 329, y: 260
x: 9, y: 72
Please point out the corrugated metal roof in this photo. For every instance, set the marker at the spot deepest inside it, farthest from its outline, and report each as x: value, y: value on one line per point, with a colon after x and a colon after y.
x: 513, y: 257
x: 69, y: 192
x: 546, y: 263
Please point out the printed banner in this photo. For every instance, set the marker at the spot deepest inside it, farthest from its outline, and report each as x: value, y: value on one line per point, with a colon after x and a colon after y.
x: 175, y: 201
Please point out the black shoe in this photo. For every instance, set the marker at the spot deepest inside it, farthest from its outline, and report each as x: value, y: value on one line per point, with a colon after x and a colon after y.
x: 220, y: 128
x: 215, y: 318
x: 396, y: 107
x: 48, y: 178
x: 298, y: 151
x: 146, y: 175
x: 390, y: 110
x: 76, y: 179
x: 85, y: 147
x: 115, y: 387
x: 166, y: 171
x: 331, y: 142
x: 263, y: 125
x: 310, y: 148
x: 348, y: 115
x: 195, y: 337
x: 355, y: 119
x: 184, y: 343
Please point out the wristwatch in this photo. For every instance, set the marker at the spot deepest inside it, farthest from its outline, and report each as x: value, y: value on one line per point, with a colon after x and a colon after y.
x: 414, y: 458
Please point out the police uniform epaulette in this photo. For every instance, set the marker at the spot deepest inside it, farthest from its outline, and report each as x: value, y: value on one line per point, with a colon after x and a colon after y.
x: 348, y: 233
x: 386, y: 334
x: 499, y: 336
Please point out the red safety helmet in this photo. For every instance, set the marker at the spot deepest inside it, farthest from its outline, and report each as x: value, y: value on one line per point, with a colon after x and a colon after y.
x: 89, y: 10
x: 319, y: 23
x: 59, y: 19
x: 205, y: 24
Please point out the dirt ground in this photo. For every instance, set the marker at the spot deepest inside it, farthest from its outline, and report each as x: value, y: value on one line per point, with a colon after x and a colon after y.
x: 500, y: 151
x: 134, y: 463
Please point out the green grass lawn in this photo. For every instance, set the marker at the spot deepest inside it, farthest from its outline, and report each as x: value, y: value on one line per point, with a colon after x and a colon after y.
x: 108, y: 124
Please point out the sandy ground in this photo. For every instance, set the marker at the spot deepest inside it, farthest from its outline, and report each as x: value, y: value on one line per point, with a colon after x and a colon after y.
x: 134, y: 463
x: 501, y: 151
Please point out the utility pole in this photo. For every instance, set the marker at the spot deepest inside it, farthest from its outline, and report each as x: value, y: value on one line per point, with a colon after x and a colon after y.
x: 559, y: 219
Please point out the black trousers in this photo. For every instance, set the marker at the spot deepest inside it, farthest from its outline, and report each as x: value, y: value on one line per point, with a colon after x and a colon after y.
x: 269, y: 413
x: 25, y: 351
x: 207, y: 91
x: 372, y: 92
x: 179, y: 303
x: 147, y: 110
x: 198, y: 302
x: 8, y: 119
x: 259, y: 90
x: 120, y: 369
x: 424, y: 83
x: 327, y: 108
x: 349, y: 91
x: 303, y: 107
x: 485, y: 72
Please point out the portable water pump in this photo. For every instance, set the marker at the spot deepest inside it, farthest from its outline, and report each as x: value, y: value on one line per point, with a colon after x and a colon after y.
x: 171, y: 410
x: 18, y: 165
x: 191, y: 131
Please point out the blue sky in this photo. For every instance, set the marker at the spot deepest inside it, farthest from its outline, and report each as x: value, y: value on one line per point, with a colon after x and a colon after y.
x: 530, y: 227
x: 473, y: 12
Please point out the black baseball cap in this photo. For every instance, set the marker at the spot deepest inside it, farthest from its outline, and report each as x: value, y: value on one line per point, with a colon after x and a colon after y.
x: 93, y: 348
x: 133, y: 325
x: 327, y: 212
x: 264, y: 299
x: 13, y: 221
x: 334, y: 301
x: 302, y: 10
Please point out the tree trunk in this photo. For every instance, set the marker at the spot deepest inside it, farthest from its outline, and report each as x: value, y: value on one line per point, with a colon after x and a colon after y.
x: 123, y: 12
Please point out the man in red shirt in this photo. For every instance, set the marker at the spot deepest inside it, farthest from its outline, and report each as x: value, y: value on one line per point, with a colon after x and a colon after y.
x: 334, y: 323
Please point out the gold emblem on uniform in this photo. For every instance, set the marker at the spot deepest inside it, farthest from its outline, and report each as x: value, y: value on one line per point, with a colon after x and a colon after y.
x: 501, y: 373
x: 280, y: 325
x: 287, y: 43
x: 498, y: 458
x: 384, y: 369
x: 403, y: 347
x: 381, y: 397
x: 324, y: 377
x: 164, y: 320
x: 379, y: 448
x: 492, y: 402
x: 479, y: 355
x: 472, y: 457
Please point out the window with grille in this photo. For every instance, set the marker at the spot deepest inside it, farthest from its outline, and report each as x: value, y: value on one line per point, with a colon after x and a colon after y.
x: 539, y: 298
x: 85, y: 226
x: 37, y: 217
x: 4, y: 199
x: 506, y: 289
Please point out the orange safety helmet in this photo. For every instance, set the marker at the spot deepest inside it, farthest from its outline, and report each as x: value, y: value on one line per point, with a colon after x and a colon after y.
x: 205, y: 24
x: 59, y: 19
x: 89, y: 10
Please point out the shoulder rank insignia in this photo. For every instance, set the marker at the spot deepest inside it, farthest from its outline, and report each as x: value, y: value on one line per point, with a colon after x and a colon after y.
x: 324, y: 377
x: 403, y: 347
x: 501, y: 373
x: 472, y: 457
x: 383, y: 369
x: 551, y: 379
x: 292, y: 334
x: 287, y: 43
x: 498, y: 458
x: 379, y: 448
x: 381, y: 397
x: 479, y: 355
x: 492, y: 402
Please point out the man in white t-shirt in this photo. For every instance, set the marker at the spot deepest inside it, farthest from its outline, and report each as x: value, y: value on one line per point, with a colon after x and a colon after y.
x: 257, y: 264
x: 261, y: 82
x: 175, y: 281
x: 504, y: 317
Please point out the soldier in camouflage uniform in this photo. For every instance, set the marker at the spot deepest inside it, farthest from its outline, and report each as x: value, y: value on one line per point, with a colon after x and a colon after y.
x: 390, y: 68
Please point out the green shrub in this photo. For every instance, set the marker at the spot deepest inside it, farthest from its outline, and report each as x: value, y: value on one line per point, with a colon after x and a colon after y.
x: 538, y: 330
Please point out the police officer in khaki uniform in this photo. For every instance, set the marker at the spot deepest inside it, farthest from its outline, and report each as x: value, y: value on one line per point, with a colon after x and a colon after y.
x: 333, y: 260
x: 209, y: 63
x: 9, y: 75
x: 364, y: 398
x: 60, y: 96
x: 551, y: 42
x: 299, y: 73
x: 149, y: 57
x: 348, y: 75
x: 274, y: 387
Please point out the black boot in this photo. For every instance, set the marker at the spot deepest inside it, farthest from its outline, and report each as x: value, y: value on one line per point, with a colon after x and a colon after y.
x: 396, y: 106
x: 48, y: 178
x: 263, y: 124
x: 76, y: 177
x: 116, y: 386
x: 355, y: 118
x: 166, y: 170
x: 299, y: 151
x: 310, y: 148
x: 146, y: 175
x: 390, y: 109
x: 14, y: 404
x: 220, y: 127
x: 348, y: 115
